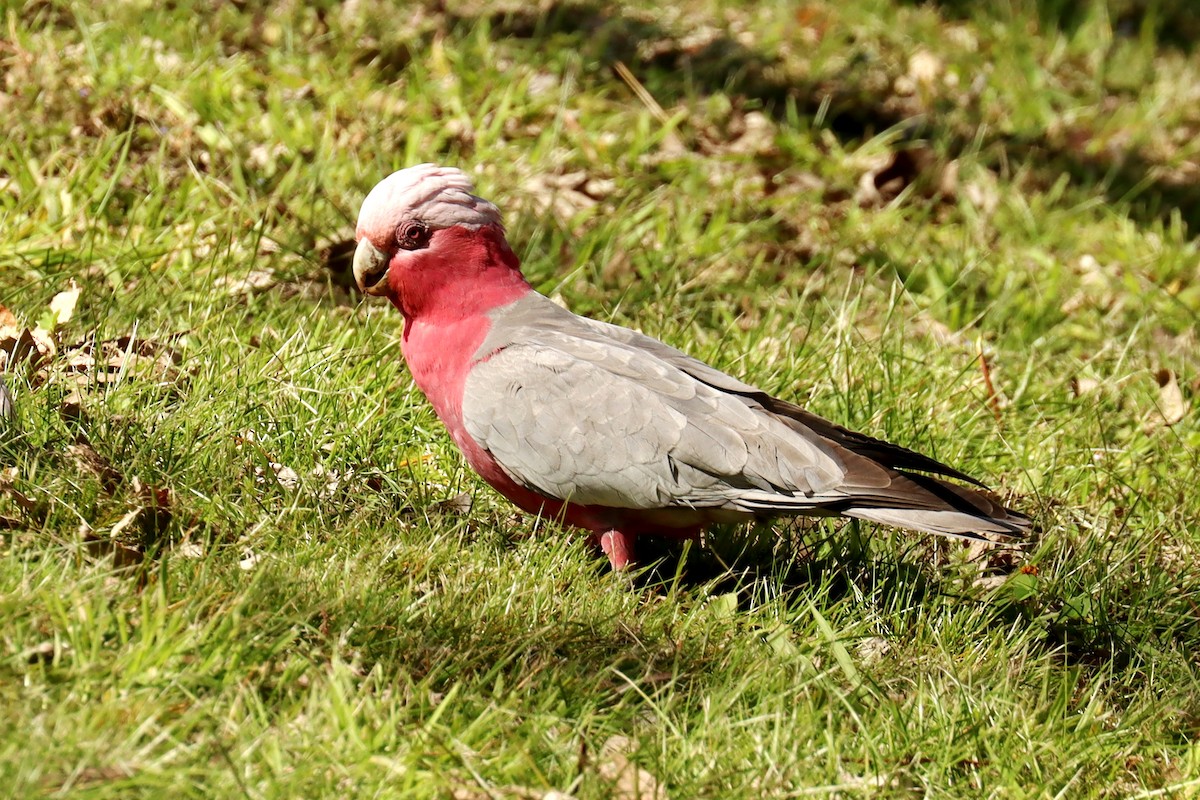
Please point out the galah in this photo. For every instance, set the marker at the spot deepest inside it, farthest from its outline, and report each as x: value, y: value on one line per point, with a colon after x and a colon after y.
x: 602, y: 426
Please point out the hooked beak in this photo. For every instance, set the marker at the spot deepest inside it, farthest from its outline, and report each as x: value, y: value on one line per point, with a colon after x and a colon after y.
x: 370, y: 268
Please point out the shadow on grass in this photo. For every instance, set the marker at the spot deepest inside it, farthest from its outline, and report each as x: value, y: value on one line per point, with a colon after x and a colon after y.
x: 673, y: 70
x: 1114, y: 631
x: 752, y: 563
x: 1173, y: 23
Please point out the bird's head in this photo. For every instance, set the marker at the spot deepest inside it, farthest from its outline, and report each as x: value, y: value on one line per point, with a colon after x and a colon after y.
x: 424, y: 239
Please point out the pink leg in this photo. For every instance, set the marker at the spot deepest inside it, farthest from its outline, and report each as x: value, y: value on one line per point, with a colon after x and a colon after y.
x: 618, y: 546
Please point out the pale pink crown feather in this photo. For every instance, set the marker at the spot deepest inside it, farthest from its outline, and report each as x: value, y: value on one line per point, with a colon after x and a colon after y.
x: 441, y: 197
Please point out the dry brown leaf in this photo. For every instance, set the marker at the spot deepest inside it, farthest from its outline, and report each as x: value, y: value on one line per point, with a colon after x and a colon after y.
x: 99, y: 546
x: 72, y: 405
x: 872, y: 649
x: 567, y: 195
x: 630, y: 782
x: 1172, y: 405
x: 24, y: 345
x: 88, y: 460
x: 459, y: 504
x: 152, y: 514
x: 753, y: 134
x: 254, y: 282
x: 125, y: 521
x: 8, y: 479
x: 90, y: 362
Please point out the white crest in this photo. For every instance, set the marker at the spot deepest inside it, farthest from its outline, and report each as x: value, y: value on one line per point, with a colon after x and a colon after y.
x: 439, y: 196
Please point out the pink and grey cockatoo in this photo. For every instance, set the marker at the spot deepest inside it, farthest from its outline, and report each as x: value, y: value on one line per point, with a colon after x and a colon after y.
x: 602, y: 426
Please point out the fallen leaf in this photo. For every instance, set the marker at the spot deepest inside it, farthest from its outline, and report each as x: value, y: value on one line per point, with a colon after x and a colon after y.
x: 8, y: 479
x: 99, y: 546
x: 24, y: 345
x: 565, y: 195
x: 125, y: 521
x: 62, y: 305
x: 1172, y: 406
x: 88, y: 460
x: 872, y: 649
x: 253, y: 282
x: 459, y: 504
x: 71, y: 407
x: 152, y: 515
x: 1084, y: 385
x: 630, y: 782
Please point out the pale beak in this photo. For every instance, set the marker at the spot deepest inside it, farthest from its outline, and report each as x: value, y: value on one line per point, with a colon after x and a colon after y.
x: 370, y: 268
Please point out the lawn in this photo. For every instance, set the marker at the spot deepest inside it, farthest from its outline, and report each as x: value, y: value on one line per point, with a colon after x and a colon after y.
x: 240, y: 557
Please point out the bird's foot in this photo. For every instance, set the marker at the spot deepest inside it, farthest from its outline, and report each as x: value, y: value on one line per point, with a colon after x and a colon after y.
x: 618, y: 546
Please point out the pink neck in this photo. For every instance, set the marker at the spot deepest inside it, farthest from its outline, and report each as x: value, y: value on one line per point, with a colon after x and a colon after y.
x: 465, y: 273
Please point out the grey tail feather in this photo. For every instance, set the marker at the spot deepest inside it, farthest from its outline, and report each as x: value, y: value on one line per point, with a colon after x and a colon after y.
x: 947, y: 509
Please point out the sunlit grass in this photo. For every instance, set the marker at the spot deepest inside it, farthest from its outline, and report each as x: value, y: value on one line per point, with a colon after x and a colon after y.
x: 268, y: 583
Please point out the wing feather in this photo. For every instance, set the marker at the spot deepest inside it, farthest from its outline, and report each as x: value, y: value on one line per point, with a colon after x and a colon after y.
x: 579, y: 423
x: 601, y: 415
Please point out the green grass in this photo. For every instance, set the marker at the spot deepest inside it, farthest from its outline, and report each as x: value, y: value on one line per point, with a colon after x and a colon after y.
x: 239, y: 565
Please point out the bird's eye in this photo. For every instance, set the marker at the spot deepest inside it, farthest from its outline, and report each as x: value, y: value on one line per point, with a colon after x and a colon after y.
x: 412, y: 235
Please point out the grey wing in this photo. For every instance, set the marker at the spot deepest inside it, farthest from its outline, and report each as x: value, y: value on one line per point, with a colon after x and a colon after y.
x: 605, y: 424
x: 579, y: 409
x: 877, y: 450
